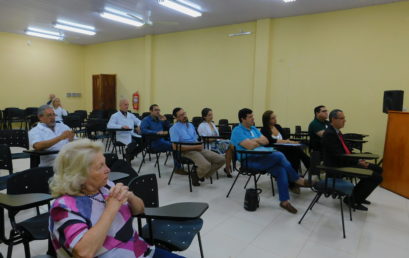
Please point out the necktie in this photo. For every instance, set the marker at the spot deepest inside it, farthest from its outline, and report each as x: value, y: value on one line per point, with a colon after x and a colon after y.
x: 347, y: 151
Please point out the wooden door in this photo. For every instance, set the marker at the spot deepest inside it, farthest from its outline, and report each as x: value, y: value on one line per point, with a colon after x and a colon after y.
x: 104, y: 91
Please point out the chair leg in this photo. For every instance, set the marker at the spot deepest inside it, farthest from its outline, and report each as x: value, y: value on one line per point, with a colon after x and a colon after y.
x: 309, y: 207
x: 342, y: 216
x: 157, y: 162
x: 272, y: 185
x: 200, y: 244
x: 350, y: 209
x: 143, y: 161
x: 189, y: 172
x: 247, y: 182
x: 315, y: 201
x: 171, y: 175
x: 234, y: 182
x: 27, y: 249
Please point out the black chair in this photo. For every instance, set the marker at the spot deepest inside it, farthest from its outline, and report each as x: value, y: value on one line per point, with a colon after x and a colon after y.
x: 169, y: 117
x: 15, y: 138
x: 196, y: 120
x: 246, y: 171
x: 31, y: 117
x: 14, y: 115
x: 96, y: 114
x: 223, y: 122
x: 108, y: 113
x: 225, y: 131
x: 173, y: 235
x: 286, y: 133
x: 354, y: 141
x: 110, y: 158
x: 137, y: 115
x: 33, y: 180
x: 95, y: 129
x: 145, y: 114
x: 184, y: 162
x: 74, y: 122
x: 333, y: 185
x: 124, y: 167
x: 6, y: 161
x: 82, y: 114
x: 147, y: 140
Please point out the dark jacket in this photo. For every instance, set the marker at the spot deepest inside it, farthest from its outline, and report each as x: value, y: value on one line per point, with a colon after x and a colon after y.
x: 267, y: 133
x: 332, y: 150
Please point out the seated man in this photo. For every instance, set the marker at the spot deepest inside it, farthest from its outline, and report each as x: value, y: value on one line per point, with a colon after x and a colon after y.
x: 246, y: 136
x: 155, y: 123
x: 333, y: 146
x: 317, y: 127
x: 124, y: 119
x: 207, y: 161
x: 49, y: 135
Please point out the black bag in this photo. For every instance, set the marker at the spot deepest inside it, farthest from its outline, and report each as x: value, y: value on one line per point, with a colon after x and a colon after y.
x: 252, y: 199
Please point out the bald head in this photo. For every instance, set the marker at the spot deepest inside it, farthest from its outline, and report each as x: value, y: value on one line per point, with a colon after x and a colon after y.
x: 124, y: 105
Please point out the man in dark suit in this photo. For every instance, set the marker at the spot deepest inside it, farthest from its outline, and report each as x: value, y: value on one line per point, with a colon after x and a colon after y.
x: 333, y: 146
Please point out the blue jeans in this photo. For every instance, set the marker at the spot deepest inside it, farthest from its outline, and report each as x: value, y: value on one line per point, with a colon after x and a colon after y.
x: 278, y: 166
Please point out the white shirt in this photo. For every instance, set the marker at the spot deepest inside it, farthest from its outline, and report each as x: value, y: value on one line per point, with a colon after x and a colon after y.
x: 118, y: 120
x: 59, y: 112
x: 43, y: 133
x: 204, y: 129
x: 277, y: 137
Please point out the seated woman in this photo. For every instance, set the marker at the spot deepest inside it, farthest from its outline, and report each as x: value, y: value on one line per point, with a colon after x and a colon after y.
x: 208, y: 128
x: 92, y: 216
x: 58, y: 110
x: 274, y: 133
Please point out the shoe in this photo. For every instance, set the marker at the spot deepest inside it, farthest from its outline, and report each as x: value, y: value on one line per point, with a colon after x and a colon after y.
x: 180, y: 171
x: 366, y: 202
x: 288, y: 207
x: 355, y: 206
x: 295, y: 189
x: 228, y: 174
x: 201, y: 179
x: 306, y: 184
x: 195, y: 179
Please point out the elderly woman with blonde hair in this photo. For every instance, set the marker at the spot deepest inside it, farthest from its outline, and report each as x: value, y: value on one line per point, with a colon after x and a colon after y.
x: 92, y: 216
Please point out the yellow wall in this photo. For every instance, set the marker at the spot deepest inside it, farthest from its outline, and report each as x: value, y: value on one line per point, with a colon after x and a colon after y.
x: 343, y: 59
x: 123, y: 58
x: 32, y: 68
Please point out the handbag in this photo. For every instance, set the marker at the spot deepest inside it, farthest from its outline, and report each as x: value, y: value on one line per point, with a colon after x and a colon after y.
x: 252, y: 199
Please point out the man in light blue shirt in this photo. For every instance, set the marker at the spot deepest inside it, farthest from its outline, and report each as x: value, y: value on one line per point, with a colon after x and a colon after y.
x: 124, y: 119
x: 246, y: 136
x: 206, y: 161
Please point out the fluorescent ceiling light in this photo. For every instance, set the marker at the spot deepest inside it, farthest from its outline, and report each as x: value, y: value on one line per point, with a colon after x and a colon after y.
x: 180, y: 8
x: 120, y: 16
x: 44, y: 33
x: 289, y: 1
x: 75, y: 27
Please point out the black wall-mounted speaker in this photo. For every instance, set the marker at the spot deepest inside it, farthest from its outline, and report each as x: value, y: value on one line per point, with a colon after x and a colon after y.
x: 392, y: 100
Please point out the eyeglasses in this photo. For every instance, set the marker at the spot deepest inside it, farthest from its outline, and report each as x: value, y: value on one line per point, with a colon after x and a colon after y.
x: 324, y: 111
x: 182, y: 114
x: 156, y: 110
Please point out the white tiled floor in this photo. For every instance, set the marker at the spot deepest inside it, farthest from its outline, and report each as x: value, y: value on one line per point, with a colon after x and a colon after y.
x: 230, y: 231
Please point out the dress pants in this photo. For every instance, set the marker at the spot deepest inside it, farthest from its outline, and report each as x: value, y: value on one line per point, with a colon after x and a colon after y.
x: 366, y: 185
x: 207, y: 161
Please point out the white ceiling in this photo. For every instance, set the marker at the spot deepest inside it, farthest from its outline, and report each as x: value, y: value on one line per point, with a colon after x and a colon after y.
x: 17, y: 15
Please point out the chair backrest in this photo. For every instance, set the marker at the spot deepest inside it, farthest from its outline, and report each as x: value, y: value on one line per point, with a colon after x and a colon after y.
x: 14, y: 113
x: 110, y: 158
x: 14, y: 138
x: 223, y: 121
x: 286, y: 132
x: 96, y: 114
x: 169, y: 117
x: 196, y: 120
x: 31, y: 111
x: 72, y: 120
x: 145, y: 114
x: 5, y: 158
x: 82, y: 113
x: 96, y: 125
x: 225, y: 131
x: 121, y: 165
x: 298, y: 129
x: 109, y: 113
x: 33, y: 180
x: 146, y: 188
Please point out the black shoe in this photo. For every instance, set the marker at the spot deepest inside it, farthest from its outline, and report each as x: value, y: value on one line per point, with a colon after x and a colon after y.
x: 195, y: 179
x: 355, y: 206
x: 228, y: 174
x: 366, y: 202
x: 201, y: 179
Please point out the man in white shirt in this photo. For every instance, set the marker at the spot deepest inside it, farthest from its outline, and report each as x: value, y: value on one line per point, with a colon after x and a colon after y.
x: 49, y: 135
x: 124, y: 119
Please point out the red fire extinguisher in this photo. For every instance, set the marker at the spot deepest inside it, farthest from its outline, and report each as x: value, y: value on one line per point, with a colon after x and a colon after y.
x: 135, y: 101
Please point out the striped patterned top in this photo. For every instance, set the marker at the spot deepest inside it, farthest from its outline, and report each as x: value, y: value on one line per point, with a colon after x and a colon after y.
x: 72, y: 216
